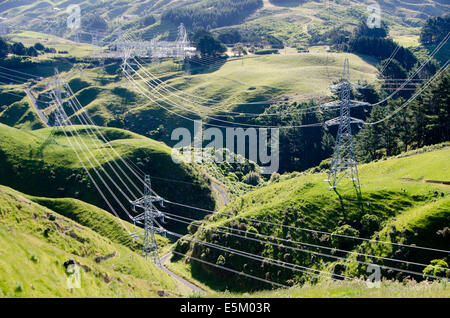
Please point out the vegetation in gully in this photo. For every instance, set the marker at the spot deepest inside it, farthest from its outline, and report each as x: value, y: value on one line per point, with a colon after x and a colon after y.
x: 96, y: 97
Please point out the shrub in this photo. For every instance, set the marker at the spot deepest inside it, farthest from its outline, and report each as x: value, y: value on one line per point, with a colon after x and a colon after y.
x: 221, y: 260
x: 341, y: 242
x: 192, y: 228
x: 370, y: 223
x: 18, y: 288
x: 252, y: 178
x: 266, y: 51
x: 34, y: 258
x: 437, y: 268
x: 325, y: 164
x: 38, y: 46
x: 18, y: 49
x: 148, y: 20
x: 274, y: 177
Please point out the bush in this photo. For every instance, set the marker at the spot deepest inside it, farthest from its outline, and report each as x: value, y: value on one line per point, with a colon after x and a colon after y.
x: 3, y: 48
x: 31, y: 51
x: 341, y: 242
x: 252, y: 178
x: 34, y: 258
x: 18, y: 49
x: 325, y: 164
x: 148, y: 20
x: 266, y: 51
x: 370, y: 223
x: 221, y: 260
x: 433, y: 269
x: 274, y: 177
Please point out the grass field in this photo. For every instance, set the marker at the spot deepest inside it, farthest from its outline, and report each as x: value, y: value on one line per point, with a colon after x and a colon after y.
x: 259, y: 78
x: 36, y: 241
x: 388, y: 289
x: 79, y: 50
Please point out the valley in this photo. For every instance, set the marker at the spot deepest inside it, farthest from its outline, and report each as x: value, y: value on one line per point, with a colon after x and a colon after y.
x: 224, y: 149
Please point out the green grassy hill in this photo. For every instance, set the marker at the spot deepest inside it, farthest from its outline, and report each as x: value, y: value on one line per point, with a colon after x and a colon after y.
x: 359, y: 289
x: 42, y: 163
x: 285, y: 21
x: 110, y: 101
x: 403, y: 196
x: 36, y: 242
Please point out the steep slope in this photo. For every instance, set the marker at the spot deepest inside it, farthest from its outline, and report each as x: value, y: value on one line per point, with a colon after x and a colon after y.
x: 404, y: 200
x: 43, y: 163
x: 36, y: 242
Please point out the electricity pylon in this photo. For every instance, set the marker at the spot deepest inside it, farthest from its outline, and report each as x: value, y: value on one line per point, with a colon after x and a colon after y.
x: 148, y: 217
x: 344, y: 162
x: 182, y: 34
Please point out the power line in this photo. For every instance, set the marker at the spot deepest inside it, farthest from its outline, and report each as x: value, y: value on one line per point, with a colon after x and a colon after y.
x: 301, y: 243
x: 278, y: 263
x: 66, y: 119
x: 232, y: 270
x: 133, y: 81
x: 323, y: 254
x: 306, y: 229
x: 430, y: 81
x: 61, y: 121
x: 435, y: 51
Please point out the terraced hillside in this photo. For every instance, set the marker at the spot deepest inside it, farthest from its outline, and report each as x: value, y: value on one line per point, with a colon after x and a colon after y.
x: 404, y: 200
x: 36, y: 242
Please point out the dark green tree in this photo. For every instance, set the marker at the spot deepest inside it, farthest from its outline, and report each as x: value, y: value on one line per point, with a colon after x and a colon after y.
x: 18, y: 49
x: 31, y: 51
x: 38, y: 46
x: 208, y: 45
x: 4, y: 48
x: 435, y: 29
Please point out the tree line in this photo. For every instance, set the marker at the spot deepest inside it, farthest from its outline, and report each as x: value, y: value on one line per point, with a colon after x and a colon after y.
x: 212, y: 14
x: 435, y: 29
x: 424, y: 122
x: 17, y: 48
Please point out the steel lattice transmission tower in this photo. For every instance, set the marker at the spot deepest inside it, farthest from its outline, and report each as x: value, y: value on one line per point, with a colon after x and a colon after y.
x: 344, y: 162
x: 148, y: 218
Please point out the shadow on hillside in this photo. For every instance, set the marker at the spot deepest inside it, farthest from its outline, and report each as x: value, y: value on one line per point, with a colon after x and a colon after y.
x: 204, y: 65
x: 368, y: 59
x: 287, y: 3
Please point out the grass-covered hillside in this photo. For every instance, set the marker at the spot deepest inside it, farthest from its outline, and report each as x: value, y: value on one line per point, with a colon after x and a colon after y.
x: 404, y: 200
x: 111, y: 101
x: 36, y: 241
x: 356, y: 289
x: 292, y: 20
x: 43, y: 163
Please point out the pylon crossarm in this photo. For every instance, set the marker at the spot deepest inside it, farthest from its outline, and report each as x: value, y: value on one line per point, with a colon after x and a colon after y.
x: 333, y: 122
x: 137, y: 234
x: 337, y: 121
x: 139, y: 217
x: 140, y: 202
x: 331, y: 104
x: 355, y: 103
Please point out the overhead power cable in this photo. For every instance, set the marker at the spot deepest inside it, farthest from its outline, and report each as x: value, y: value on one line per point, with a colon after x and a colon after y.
x: 321, y: 254
x: 308, y: 229
x: 301, y: 243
